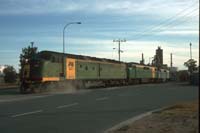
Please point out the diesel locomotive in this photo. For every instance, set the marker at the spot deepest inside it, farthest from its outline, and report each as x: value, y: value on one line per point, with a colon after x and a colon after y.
x: 54, y: 67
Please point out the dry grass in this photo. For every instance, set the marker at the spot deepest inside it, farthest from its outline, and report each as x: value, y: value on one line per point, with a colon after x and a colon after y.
x: 180, y: 118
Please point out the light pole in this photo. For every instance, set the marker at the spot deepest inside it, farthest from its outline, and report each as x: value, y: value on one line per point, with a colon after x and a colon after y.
x: 63, y: 75
x: 190, y: 50
x: 64, y: 33
x: 171, y: 60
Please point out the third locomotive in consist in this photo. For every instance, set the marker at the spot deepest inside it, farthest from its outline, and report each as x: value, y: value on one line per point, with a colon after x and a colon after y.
x: 53, y: 67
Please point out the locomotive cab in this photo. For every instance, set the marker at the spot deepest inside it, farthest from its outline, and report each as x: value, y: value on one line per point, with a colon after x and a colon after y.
x: 40, y: 69
x: 29, y: 69
x: 26, y: 71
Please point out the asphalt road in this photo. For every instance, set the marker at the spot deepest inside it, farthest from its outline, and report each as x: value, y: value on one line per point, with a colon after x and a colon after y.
x: 88, y: 111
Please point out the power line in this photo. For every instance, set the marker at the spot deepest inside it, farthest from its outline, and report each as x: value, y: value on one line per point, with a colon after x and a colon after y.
x: 169, y: 19
x: 167, y: 24
x: 160, y: 26
x: 185, y: 15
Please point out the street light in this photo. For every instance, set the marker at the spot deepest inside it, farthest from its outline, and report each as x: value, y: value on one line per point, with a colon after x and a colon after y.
x: 63, y: 75
x: 190, y: 50
x: 64, y: 33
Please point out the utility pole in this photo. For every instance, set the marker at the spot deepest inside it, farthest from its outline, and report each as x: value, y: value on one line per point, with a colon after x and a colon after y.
x: 190, y: 50
x: 119, y: 43
x: 171, y: 60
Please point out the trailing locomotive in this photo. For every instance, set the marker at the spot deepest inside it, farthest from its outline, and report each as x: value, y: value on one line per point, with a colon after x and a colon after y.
x: 53, y: 67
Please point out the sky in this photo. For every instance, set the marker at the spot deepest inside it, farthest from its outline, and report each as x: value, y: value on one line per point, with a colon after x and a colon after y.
x: 145, y: 24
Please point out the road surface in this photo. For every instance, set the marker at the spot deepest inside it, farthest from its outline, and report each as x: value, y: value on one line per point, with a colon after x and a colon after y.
x: 87, y: 111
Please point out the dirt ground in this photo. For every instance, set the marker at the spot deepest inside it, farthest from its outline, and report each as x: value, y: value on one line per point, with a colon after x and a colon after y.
x: 180, y: 118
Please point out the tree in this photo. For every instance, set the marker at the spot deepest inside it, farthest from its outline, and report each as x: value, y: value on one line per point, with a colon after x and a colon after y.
x: 10, y: 74
x: 27, y: 54
x: 191, y: 65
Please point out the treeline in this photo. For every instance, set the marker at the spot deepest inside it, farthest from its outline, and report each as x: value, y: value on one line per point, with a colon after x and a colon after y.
x: 10, y: 74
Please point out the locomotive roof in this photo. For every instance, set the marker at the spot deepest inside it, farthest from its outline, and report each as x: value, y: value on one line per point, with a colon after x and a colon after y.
x: 134, y: 63
x: 49, y: 53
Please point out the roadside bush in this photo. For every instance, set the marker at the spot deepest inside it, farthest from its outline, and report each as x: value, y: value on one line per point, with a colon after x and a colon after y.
x: 10, y: 74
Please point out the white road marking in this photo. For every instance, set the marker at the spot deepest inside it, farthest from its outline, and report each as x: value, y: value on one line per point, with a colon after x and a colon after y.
x: 102, y: 98
x: 27, y: 113
x: 68, y: 105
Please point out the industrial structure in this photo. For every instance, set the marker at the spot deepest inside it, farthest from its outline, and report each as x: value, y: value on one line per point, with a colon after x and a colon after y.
x: 158, y: 58
x: 157, y: 61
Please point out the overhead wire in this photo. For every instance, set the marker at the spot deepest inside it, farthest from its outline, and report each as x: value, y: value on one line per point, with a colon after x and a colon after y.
x: 159, y: 25
x: 172, y: 17
x: 160, y: 28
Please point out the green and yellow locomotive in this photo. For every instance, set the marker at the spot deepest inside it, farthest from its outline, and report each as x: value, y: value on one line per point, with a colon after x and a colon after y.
x: 53, y: 67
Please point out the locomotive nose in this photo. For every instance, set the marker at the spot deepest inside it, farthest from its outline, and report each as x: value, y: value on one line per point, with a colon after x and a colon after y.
x: 26, y: 71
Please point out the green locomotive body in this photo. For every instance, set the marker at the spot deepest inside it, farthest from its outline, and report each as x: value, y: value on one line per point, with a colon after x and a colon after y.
x: 91, y: 69
x: 141, y: 73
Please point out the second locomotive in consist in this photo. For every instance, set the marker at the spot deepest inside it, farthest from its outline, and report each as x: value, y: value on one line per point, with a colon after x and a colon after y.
x: 53, y: 67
